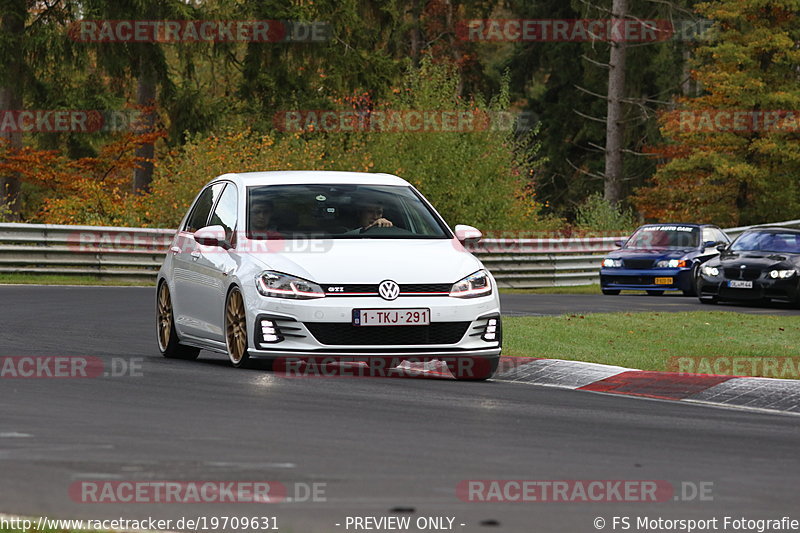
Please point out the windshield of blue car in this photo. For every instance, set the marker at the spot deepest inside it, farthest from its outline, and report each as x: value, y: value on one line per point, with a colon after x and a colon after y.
x: 666, y: 236
x: 340, y: 211
x: 768, y: 241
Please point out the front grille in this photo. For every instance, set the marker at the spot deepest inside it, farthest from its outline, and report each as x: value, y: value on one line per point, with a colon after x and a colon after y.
x: 739, y: 294
x: 742, y: 273
x: 638, y: 264
x: 365, y: 288
x: 425, y: 287
x: 628, y: 280
x: 333, y: 333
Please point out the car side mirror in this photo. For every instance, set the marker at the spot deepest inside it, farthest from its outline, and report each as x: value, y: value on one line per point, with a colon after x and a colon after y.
x: 467, y: 234
x: 619, y: 244
x: 722, y: 247
x: 212, y: 236
x: 709, y: 244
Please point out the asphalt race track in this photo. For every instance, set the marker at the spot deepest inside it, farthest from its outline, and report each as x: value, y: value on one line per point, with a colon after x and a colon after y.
x: 380, y: 446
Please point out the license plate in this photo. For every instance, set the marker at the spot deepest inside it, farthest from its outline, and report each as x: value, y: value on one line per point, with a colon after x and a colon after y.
x: 391, y: 317
x: 663, y: 281
x: 740, y: 284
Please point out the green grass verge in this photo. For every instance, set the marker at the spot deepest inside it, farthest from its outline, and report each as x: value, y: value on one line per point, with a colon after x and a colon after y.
x: 648, y: 341
x: 55, y: 279
x: 577, y: 289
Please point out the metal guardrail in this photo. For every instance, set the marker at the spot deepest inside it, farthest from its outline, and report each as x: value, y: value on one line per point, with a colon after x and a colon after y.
x: 106, y: 252
x: 532, y: 263
x: 136, y: 254
x: 733, y: 232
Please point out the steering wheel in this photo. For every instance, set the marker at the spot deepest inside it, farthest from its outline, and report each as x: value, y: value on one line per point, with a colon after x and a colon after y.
x: 376, y: 231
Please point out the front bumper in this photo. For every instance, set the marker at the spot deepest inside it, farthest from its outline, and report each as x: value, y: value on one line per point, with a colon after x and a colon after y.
x: 763, y: 289
x: 323, y: 327
x: 641, y: 280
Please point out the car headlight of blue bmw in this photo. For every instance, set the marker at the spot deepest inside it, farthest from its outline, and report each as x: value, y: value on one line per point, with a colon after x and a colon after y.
x: 474, y: 285
x: 612, y: 263
x: 279, y: 285
x: 783, y: 274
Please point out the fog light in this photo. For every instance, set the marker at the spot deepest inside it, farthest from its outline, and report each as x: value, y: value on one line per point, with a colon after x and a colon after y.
x: 491, y: 332
x: 270, y: 332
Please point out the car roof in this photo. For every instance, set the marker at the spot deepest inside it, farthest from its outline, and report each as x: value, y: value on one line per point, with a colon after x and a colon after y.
x: 296, y: 177
x: 772, y: 229
x: 692, y: 224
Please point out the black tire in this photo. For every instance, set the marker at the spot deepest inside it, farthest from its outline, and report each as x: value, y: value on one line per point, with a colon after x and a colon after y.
x: 236, y: 328
x: 168, y: 343
x: 479, y: 369
x: 693, y: 290
x: 611, y: 292
x: 655, y: 293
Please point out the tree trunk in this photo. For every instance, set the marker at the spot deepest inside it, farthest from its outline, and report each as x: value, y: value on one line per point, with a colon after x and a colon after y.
x: 614, y: 123
x: 416, y: 32
x: 145, y: 97
x: 12, y: 26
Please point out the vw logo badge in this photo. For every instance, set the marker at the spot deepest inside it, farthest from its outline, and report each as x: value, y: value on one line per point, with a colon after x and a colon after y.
x: 389, y: 290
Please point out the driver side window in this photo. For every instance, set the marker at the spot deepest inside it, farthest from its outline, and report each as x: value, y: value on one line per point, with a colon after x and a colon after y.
x: 225, y: 212
x: 202, y: 208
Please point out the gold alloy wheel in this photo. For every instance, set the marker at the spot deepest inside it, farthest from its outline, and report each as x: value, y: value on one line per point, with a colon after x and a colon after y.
x: 236, y: 328
x: 164, y: 317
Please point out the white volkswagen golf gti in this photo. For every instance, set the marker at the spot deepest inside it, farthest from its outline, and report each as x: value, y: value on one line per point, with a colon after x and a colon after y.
x: 336, y: 265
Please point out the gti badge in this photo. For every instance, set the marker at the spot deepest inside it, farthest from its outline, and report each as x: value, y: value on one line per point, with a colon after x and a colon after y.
x: 389, y: 290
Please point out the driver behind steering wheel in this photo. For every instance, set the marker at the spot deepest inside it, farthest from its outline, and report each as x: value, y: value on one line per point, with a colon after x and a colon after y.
x: 370, y: 215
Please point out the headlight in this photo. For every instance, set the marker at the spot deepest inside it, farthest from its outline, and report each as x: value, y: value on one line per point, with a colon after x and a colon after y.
x: 612, y: 263
x: 783, y: 274
x: 710, y: 271
x: 474, y: 285
x: 280, y: 285
x: 671, y: 263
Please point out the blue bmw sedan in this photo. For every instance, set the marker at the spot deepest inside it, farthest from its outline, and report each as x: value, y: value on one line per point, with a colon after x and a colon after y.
x: 661, y: 257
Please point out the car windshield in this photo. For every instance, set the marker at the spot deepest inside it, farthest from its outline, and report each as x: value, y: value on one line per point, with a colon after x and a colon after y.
x: 768, y: 241
x: 340, y: 211
x: 665, y: 237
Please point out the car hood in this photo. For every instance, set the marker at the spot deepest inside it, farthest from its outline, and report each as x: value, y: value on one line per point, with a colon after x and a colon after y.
x: 375, y: 260
x: 650, y: 253
x: 755, y: 259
